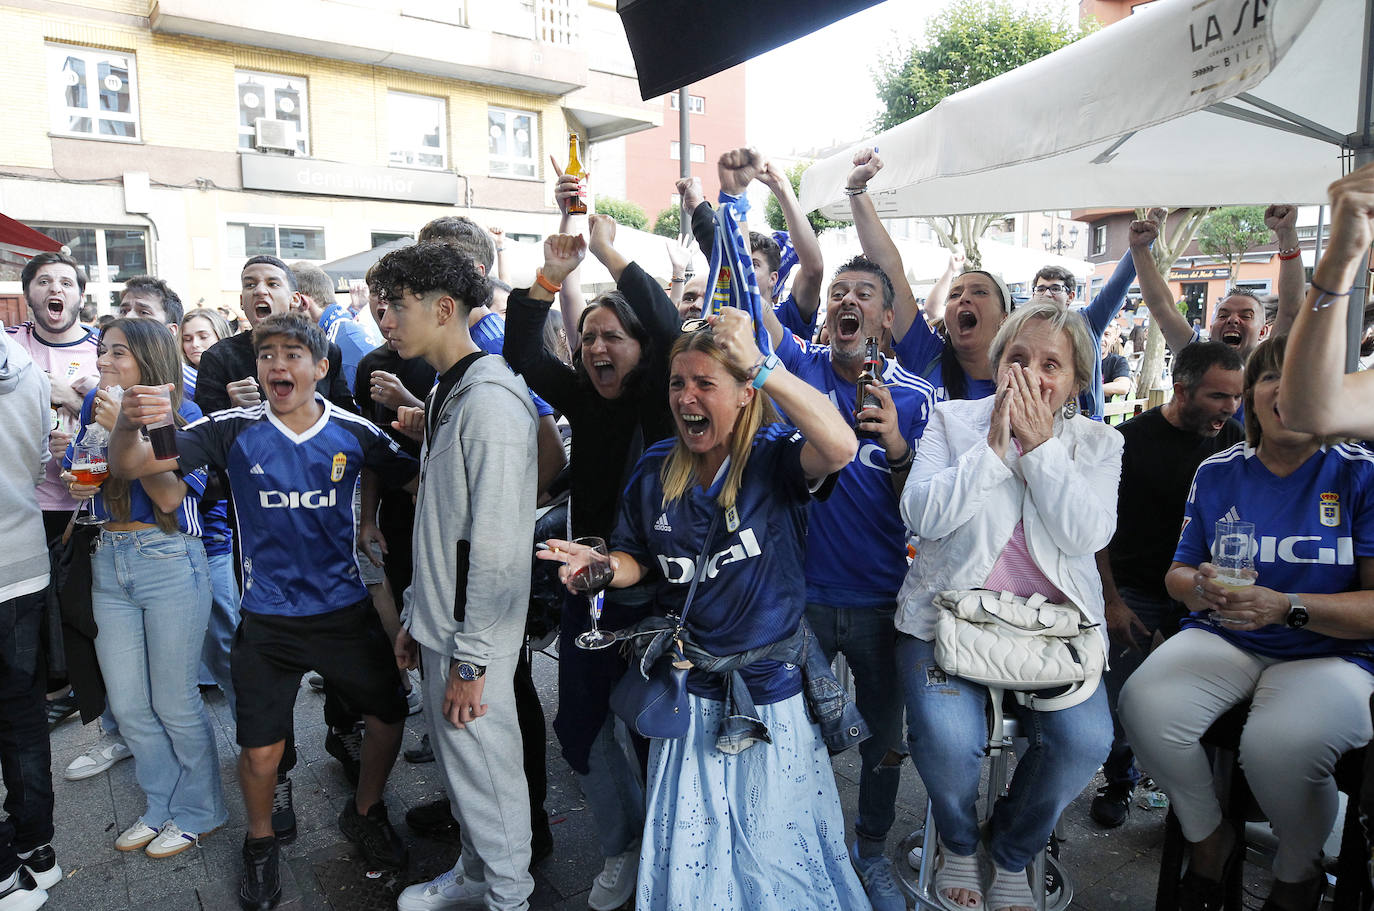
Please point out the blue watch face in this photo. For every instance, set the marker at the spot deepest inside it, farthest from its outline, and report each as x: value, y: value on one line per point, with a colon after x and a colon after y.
x: 466, y: 671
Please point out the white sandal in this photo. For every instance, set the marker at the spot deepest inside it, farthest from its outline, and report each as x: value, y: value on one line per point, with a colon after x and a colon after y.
x: 953, y: 871
x: 1009, y: 890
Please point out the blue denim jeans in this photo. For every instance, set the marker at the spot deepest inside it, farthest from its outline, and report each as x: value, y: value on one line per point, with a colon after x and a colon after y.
x: 151, y: 600
x: 948, y: 731
x: 224, y: 620
x: 1119, y: 768
x: 24, y: 754
x: 867, y: 638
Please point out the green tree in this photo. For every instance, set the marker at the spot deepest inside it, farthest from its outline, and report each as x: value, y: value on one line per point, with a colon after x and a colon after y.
x: 624, y: 213
x: 967, y: 43
x: 669, y: 222
x: 1231, y: 231
x: 773, y: 211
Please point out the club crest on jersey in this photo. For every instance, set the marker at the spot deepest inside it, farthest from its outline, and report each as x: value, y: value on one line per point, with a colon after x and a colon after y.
x: 1329, y: 510
x: 336, y: 472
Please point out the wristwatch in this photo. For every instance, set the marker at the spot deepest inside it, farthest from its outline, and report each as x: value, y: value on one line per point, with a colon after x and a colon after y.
x: 469, y: 671
x: 1297, y: 614
x: 765, y: 367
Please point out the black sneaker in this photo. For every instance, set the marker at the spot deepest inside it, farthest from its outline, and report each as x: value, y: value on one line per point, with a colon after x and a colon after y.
x: 283, y: 811
x: 347, y: 747
x: 421, y: 754
x: 41, y: 862
x: 260, y: 887
x: 541, y: 839
x: 1112, y: 805
x: 433, y: 820
x: 23, y: 893
x: 373, y: 835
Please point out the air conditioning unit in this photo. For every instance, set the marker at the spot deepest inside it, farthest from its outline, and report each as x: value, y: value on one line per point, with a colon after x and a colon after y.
x: 274, y: 135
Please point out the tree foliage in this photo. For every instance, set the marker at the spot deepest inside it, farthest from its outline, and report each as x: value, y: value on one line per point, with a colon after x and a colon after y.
x: 773, y: 211
x: 669, y: 222
x: 969, y: 42
x: 1229, y: 232
x: 625, y: 213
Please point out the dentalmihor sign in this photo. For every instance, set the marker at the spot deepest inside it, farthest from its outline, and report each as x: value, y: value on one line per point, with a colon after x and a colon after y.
x: 332, y: 178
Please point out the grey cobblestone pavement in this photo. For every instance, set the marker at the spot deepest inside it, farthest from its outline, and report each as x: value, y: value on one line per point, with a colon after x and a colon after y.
x: 1113, y: 871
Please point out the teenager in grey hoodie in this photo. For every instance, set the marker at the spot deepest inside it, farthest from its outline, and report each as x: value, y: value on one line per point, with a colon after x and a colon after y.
x: 474, y: 527
x: 26, y: 857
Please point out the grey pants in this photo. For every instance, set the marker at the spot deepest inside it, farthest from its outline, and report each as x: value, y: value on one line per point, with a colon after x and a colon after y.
x: 1304, y: 714
x: 484, y: 770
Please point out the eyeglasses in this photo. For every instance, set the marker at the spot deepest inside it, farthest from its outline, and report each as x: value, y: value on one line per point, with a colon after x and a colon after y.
x: 695, y: 324
x: 1050, y: 289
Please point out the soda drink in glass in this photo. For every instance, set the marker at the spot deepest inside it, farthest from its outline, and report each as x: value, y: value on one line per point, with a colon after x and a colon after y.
x: 163, y: 434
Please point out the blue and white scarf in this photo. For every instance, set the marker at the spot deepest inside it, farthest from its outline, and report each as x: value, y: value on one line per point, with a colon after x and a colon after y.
x: 732, y: 282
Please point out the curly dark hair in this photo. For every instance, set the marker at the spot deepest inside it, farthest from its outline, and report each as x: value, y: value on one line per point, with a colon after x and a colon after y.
x: 426, y: 267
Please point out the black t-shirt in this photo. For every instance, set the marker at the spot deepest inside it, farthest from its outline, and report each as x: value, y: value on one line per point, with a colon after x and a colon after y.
x: 233, y: 359
x: 1157, y: 468
x: 415, y: 374
x: 1115, y: 367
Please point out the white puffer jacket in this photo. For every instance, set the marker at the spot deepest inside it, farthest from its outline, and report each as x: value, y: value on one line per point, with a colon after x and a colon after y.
x: 964, y: 502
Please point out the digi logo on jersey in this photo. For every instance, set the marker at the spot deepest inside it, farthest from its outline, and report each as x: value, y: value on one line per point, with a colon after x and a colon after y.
x: 680, y: 570
x: 295, y: 499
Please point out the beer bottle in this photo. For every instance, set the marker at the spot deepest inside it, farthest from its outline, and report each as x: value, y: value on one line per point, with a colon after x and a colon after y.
x: 870, y: 374
x: 577, y: 205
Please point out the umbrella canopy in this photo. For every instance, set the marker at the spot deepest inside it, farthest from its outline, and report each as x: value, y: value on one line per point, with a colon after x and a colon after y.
x: 17, y: 237
x: 1184, y: 104
x: 349, y: 268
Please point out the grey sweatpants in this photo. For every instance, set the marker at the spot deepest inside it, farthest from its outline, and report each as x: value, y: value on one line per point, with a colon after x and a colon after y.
x: 1304, y: 714
x: 484, y: 770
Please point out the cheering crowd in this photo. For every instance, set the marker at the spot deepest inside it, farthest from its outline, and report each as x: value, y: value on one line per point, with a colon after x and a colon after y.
x: 400, y: 517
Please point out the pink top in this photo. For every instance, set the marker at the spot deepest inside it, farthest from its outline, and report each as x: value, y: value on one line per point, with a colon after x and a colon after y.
x: 73, y: 364
x: 1017, y: 573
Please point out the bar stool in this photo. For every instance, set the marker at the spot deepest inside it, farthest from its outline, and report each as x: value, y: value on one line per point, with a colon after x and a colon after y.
x: 917, y: 879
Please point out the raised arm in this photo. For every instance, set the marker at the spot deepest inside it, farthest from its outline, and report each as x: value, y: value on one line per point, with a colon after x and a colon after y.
x: 1316, y: 394
x: 937, y: 298
x: 1154, y: 290
x: 498, y: 236
x: 735, y: 169
x: 1107, y: 304
x: 830, y: 441
x: 601, y: 244
x: 810, y: 275
x: 526, y: 313
x: 1283, y: 221
x: 571, y: 301
x: 877, y: 243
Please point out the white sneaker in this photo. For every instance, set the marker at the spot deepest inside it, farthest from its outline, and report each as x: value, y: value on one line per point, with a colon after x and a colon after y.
x: 414, y: 700
x: 135, y: 837
x: 616, y: 882
x: 315, y: 680
x: 448, y: 890
x: 97, y: 759
x: 171, y: 841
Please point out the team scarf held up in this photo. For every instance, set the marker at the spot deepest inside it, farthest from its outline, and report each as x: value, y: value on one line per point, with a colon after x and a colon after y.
x: 786, y: 264
x: 733, y: 282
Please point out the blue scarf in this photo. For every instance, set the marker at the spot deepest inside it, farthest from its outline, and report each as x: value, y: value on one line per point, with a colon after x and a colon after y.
x: 732, y: 282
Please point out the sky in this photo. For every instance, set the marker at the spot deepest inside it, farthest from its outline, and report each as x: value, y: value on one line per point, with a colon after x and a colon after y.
x: 841, y: 93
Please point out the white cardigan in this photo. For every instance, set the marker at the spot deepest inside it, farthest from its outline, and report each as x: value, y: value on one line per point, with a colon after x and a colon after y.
x: 964, y: 502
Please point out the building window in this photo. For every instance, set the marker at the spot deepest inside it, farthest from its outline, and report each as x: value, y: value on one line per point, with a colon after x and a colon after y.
x: 695, y: 103
x: 267, y: 96
x: 511, y: 145
x: 386, y: 237
x: 1099, y: 240
x: 107, y: 254
x: 93, y: 93
x: 283, y: 241
x: 675, y: 151
x: 418, y: 130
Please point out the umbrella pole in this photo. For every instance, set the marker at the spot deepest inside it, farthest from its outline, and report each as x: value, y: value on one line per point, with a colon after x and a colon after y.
x: 1361, y: 143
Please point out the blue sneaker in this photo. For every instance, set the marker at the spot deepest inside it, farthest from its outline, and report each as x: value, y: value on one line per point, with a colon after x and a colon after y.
x: 879, y: 881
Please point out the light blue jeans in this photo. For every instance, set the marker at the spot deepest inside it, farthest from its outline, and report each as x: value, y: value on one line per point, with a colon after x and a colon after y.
x: 947, y: 731
x: 614, y: 792
x: 224, y: 622
x: 151, y: 600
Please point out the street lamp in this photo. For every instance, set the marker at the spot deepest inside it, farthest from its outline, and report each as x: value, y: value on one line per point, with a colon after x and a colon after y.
x: 1059, y: 245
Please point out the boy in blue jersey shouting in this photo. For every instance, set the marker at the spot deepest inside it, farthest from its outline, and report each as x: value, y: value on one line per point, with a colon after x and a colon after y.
x: 292, y: 462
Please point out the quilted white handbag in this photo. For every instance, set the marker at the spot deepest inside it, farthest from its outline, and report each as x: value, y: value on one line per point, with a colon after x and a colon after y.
x: 1023, y: 644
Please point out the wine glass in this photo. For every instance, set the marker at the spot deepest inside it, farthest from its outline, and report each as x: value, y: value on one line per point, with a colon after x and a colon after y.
x: 592, y: 572
x: 89, y: 467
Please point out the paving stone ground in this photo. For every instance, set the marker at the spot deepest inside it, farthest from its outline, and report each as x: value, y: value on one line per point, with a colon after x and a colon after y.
x: 1113, y: 871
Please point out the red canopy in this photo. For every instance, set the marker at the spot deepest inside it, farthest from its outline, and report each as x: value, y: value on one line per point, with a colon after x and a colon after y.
x: 20, y: 237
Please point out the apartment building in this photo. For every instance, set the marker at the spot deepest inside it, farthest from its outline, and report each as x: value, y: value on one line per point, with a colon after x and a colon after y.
x: 181, y: 136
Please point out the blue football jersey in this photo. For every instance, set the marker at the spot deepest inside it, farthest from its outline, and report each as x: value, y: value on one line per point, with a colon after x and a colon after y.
x: 1310, y: 529
x: 293, y: 497
x: 919, y: 352
x: 489, y: 333
x: 856, y: 547
x: 752, y: 593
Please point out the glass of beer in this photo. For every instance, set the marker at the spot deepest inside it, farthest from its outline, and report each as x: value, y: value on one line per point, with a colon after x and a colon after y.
x: 89, y: 467
x: 1233, y: 554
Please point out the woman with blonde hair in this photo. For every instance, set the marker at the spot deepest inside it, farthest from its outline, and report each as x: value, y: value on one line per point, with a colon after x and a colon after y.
x: 151, y: 599
x: 742, y: 812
